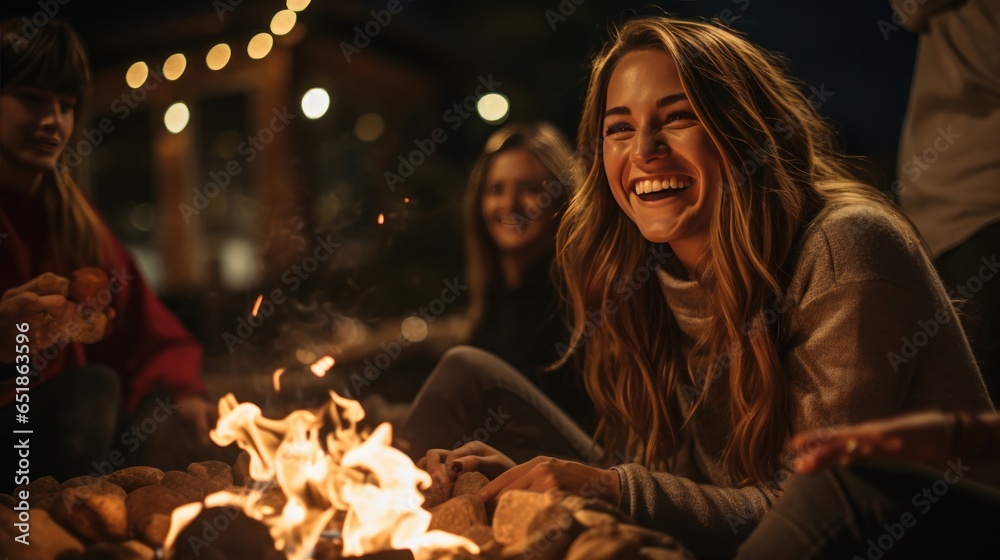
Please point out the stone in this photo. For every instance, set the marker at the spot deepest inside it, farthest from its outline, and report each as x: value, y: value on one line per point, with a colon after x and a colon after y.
x: 469, y: 483
x: 589, y: 518
x: 48, y: 539
x: 218, y: 474
x: 43, y: 485
x: 94, y: 510
x: 78, y: 481
x: 106, y: 551
x: 149, y: 509
x: 132, y: 478
x: 440, y: 489
x: 458, y: 514
x: 604, y: 543
x: 141, y: 550
x: 515, y: 510
x: 654, y: 553
x: 222, y: 534
x: 482, y: 535
x: 189, y: 487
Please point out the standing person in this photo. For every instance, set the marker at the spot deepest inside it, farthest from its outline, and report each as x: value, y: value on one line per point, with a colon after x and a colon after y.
x: 949, y: 161
x: 783, y: 309
x: 148, y: 364
x: 517, y: 192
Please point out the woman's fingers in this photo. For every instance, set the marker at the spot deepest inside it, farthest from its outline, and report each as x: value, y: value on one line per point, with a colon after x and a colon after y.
x: 43, y: 285
x: 507, y: 478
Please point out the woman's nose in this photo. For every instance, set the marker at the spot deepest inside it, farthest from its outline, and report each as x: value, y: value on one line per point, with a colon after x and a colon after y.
x: 52, y: 114
x: 650, y: 143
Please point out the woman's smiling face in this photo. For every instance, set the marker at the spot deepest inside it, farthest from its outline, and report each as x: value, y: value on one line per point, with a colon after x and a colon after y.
x: 662, y: 166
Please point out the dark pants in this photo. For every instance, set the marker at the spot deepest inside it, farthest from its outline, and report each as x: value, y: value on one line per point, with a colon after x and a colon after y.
x: 879, y: 512
x: 72, y: 417
x: 966, y: 268
x: 80, y: 429
x: 473, y: 395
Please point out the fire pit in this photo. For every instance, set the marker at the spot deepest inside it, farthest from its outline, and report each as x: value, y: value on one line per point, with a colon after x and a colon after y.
x: 313, y: 486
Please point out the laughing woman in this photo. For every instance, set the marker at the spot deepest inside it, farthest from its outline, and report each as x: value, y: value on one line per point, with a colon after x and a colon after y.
x: 791, y: 303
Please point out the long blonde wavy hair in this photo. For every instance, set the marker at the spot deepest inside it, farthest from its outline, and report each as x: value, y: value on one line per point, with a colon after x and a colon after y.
x: 53, y: 59
x: 633, y: 366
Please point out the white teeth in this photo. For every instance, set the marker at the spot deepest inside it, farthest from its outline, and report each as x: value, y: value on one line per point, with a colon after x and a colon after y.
x: 656, y: 185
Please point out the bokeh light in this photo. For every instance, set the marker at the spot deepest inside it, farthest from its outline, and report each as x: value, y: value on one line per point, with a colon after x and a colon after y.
x: 297, y: 5
x: 176, y: 117
x: 315, y: 103
x: 369, y: 127
x: 218, y: 57
x: 143, y: 216
x: 136, y: 74
x: 493, y: 108
x: 174, y: 66
x: 260, y: 45
x: 282, y: 22
x: 414, y: 329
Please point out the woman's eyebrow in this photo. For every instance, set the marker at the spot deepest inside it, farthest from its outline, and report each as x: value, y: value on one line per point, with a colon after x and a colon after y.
x: 661, y: 102
x: 670, y: 99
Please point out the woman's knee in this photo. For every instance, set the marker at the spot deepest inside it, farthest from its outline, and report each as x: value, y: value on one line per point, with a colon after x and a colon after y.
x: 467, y: 365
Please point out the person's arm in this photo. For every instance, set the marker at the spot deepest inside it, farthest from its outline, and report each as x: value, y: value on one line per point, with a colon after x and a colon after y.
x: 929, y: 438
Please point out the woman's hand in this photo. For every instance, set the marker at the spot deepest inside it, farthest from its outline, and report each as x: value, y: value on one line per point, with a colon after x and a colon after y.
x: 922, y: 437
x: 545, y: 473
x: 200, y: 414
x: 473, y: 456
x: 41, y: 303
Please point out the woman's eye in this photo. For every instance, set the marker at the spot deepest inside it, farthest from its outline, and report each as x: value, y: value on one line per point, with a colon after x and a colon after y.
x: 493, y: 189
x: 615, y: 128
x: 681, y: 116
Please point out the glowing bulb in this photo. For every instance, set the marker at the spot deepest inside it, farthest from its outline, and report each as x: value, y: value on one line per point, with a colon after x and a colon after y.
x: 260, y: 45
x: 369, y: 127
x: 297, y: 5
x: 282, y: 22
x: 493, y: 107
x: 174, y: 66
x: 176, y: 117
x: 315, y: 103
x: 136, y: 74
x: 218, y: 57
x: 414, y: 329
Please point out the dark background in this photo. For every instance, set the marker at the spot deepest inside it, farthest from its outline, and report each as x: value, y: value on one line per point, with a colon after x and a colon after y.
x: 385, y: 272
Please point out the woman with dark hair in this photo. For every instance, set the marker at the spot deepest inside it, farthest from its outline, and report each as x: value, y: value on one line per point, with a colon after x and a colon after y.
x: 49, y: 231
x: 791, y: 289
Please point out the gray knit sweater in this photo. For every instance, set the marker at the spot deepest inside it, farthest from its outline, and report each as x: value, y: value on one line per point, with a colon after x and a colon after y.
x: 870, y: 333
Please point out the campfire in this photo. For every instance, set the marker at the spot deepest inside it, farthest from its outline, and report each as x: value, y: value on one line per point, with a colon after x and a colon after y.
x: 335, y: 481
x: 315, y: 485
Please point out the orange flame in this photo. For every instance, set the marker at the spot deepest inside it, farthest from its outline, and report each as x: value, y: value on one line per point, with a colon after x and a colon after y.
x: 322, y: 365
x: 256, y: 305
x: 276, y: 376
x: 381, y: 219
x: 373, y: 486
